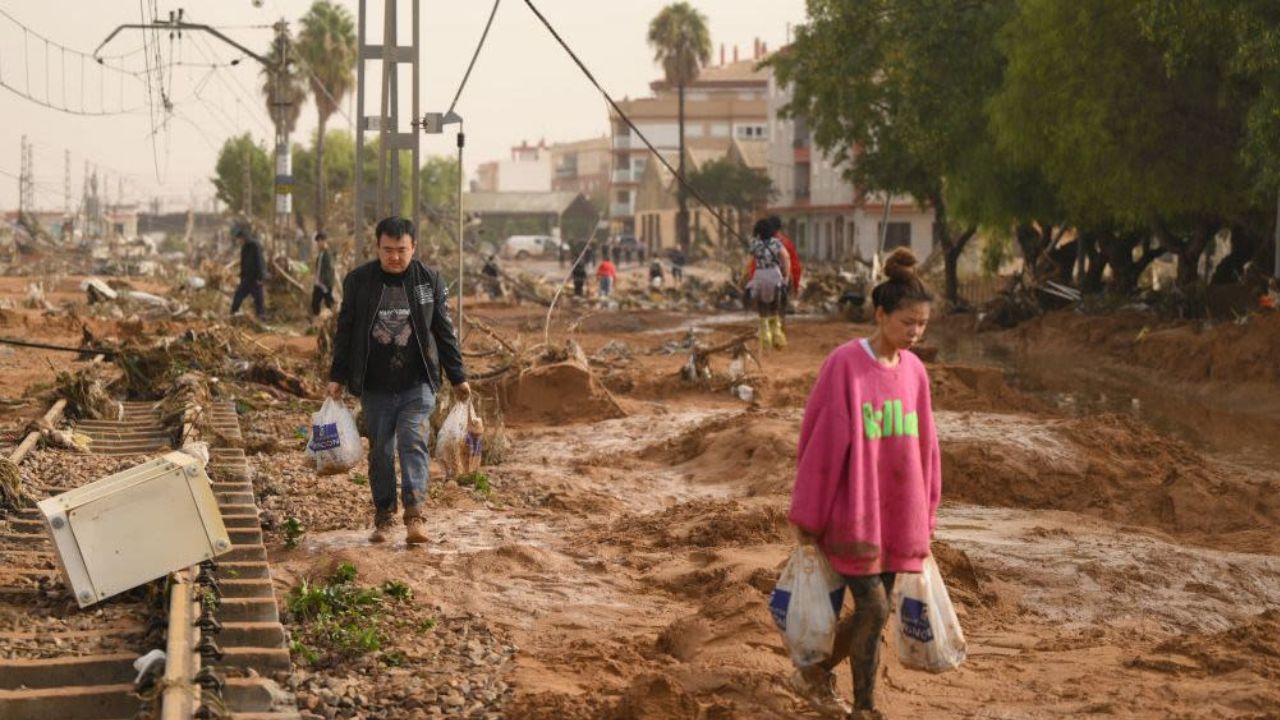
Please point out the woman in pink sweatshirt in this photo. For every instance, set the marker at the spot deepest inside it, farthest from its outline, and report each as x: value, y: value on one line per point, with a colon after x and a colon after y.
x: 869, y: 477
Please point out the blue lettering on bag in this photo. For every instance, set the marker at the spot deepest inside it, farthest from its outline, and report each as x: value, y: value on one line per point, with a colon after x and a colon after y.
x: 324, y: 437
x: 915, y: 620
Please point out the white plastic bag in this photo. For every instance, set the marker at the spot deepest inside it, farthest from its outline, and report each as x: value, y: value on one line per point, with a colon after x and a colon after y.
x: 805, y: 604
x: 925, y: 623
x: 334, y: 445
x: 458, y: 444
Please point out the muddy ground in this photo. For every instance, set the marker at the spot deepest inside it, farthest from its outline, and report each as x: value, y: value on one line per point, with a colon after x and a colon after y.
x: 1108, y: 528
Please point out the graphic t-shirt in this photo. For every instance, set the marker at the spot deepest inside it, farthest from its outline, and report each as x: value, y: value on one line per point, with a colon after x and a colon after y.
x: 395, y: 360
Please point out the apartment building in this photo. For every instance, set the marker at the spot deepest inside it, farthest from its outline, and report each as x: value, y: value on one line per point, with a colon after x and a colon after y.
x: 828, y: 217
x: 728, y: 102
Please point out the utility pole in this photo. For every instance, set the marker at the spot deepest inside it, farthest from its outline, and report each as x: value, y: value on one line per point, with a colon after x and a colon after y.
x: 387, y: 197
x: 281, y: 108
x: 26, y: 179
x: 66, y: 183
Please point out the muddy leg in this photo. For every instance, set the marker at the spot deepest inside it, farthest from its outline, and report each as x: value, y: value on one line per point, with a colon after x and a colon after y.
x: 871, y: 595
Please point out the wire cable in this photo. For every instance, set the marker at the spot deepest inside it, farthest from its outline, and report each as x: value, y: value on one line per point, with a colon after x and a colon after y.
x: 679, y: 178
x: 475, y: 56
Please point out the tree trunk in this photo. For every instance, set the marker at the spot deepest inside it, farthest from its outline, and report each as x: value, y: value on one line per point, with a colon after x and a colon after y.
x: 1243, y: 247
x: 952, y: 247
x: 320, y: 189
x: 682, y: 217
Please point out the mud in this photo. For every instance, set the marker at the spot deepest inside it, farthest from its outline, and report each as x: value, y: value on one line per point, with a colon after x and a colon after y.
x: 1107, y: 560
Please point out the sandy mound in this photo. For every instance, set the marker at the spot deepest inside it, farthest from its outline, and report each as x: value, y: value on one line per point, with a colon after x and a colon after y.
x: 978, y: 388
x: 1109, y: 466
x: 1223, y: 352
x: 702, y: 523
x: 752, y: 450
x: 1253, y: 646
x: 561, y: 393
x: 654, y: 696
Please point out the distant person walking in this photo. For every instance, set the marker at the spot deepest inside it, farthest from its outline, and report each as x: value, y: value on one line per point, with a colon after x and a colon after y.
x: 768, y: 271
x: 579, y: 277
x: 792, y: 289
x: 253, y: 272
x: 607, y: 275
x: 492, y: 277
x: 322, y: 290
x: 678, y: 261
x: 869, y: 478
x: 394, y: 337
x: 656, y: 275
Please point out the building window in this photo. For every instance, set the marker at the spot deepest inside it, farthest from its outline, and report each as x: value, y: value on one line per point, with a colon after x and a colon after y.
x: 622, y: 197
x: 802, y: 181
x: 751, y: 132
x: 899, y: 235
x: 840, y: 252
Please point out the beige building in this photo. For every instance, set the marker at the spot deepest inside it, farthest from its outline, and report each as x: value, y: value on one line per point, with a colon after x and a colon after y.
x: 581, y: 166
x: 657, y: 206
x: 527, y: 170
x: 728, y: 102
x: 829, y: 218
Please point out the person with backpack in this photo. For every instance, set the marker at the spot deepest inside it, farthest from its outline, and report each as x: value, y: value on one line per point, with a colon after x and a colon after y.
x: 869, y: 478
x: 768, y: 271
x: 607, y: 274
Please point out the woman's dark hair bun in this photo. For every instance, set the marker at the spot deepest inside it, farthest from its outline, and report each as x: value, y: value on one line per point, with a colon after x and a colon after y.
x: 903, y: 285
x: 900, y: 266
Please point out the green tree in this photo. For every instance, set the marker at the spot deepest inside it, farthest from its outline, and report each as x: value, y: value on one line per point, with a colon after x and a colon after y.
x: 895, y: 91
x: 681, y: 44
x: 1147, y: 127
x: 731, y: 185
x: 327, y: 47
x: 283, y: 97
x: 229, y: 179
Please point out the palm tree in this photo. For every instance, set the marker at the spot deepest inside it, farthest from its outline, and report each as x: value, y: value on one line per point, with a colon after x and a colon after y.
x: 284, y: 88
x: 681, y: 45
x: 327, y: 48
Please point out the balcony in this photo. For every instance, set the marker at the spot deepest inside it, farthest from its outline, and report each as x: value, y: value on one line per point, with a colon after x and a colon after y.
x: 624, y: 175
x: 617, y: 210
x: 622, y: 142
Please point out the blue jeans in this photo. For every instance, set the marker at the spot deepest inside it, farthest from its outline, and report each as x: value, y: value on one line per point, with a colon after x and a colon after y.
x: 398, y: 421
x: 606, y: 286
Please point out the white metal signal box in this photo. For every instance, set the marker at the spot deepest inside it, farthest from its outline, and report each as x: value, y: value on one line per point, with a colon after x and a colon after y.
x: 132, y: 527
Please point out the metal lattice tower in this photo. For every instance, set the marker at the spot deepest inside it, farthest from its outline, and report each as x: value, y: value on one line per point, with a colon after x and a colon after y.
x: 387, y: 198
x: 27, y: 179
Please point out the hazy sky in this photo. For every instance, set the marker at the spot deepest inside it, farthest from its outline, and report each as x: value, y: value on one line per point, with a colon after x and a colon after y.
x: 523, y: 87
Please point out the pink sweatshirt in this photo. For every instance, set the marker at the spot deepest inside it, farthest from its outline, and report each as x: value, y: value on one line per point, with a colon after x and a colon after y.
x: 869, y: 472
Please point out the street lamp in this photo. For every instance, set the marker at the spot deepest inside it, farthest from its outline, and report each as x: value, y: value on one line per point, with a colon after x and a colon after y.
x: 434, y: 124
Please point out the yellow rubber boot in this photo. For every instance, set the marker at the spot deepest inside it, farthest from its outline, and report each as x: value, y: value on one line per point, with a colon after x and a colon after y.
x: 766, y: 334
x: 779, y: 337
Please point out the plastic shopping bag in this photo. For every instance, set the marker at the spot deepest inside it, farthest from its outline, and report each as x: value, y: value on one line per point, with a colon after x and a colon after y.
x: 458, y: 444
x: 334, y: 444
x: 805, y: 604
x: 927, y: 629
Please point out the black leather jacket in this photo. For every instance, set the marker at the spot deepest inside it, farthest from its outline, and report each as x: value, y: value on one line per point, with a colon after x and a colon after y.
x: 429, y: 313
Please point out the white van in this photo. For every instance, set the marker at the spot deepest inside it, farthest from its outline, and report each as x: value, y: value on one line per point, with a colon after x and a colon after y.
x: 521, y: 247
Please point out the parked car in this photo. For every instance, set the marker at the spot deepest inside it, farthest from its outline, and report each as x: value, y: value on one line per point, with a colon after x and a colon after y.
x: 522, y: 247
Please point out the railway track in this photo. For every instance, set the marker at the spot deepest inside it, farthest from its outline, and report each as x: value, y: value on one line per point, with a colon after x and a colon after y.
x: 218, y: 622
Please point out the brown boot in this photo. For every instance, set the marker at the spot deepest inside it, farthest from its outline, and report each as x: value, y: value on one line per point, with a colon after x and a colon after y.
x: 382, y: 522
x: 415, y: 526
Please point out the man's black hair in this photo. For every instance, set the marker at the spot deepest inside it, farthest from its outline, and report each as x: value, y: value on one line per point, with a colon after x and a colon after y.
x: 763, y: 229
x: 239, y: 230
x: 321, y: 236
x: 393, y: 227
x: 775, y: 222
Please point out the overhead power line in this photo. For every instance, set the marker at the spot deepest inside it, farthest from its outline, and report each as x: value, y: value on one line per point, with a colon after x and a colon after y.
x: 608, y: 98
x: 474, y: 56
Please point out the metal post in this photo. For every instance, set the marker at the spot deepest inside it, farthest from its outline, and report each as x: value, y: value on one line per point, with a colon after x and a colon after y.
x: 388, y: 195
x: 462, y: 141
x: 1276, y: 263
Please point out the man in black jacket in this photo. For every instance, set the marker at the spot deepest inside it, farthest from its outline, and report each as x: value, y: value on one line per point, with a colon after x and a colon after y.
x: 253, y: 271
x: 394, y: 336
